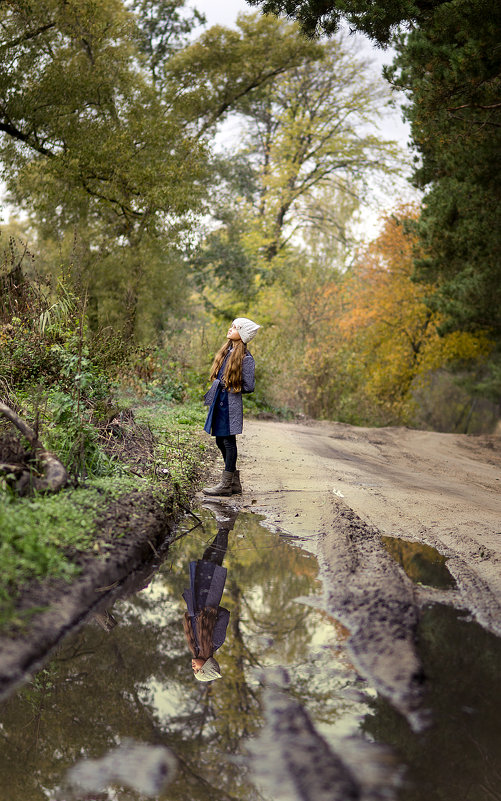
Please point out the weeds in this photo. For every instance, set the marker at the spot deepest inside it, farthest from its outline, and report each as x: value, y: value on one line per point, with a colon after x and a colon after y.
x: 181, y: 449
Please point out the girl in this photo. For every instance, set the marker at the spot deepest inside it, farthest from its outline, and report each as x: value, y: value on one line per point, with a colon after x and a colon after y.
x: 232, y: 374
x: 205, y: 621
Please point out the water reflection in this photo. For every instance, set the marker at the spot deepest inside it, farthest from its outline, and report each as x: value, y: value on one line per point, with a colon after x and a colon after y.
x: 131, y: 680
x: 134, y: 681
x: 459, y: 756
x: 422, y: 563
x: 205, y: 620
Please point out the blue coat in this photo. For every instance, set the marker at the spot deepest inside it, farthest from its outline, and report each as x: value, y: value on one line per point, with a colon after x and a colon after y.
x: 207, y: 581
x: 235, y: 405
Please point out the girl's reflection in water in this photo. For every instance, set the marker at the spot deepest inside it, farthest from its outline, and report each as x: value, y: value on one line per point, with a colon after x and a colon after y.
x: 205, y: 621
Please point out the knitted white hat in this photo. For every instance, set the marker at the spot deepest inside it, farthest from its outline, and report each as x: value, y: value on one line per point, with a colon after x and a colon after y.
x: 246, y: 328
x: 209, y: 671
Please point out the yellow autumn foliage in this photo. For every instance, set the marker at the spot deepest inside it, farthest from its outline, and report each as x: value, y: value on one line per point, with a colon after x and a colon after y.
x: 382, y: 335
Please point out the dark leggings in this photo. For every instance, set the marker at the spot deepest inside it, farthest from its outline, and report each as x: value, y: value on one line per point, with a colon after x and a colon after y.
x: 228, y: 447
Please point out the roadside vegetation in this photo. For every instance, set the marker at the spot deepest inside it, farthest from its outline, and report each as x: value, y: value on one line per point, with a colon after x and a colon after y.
x: 111, y: 415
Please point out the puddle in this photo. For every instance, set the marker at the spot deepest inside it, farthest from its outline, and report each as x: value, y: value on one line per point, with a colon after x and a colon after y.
x: 135, y: 680
x: 124, y: 679
x: 459, y: 756
x: 422, y: 563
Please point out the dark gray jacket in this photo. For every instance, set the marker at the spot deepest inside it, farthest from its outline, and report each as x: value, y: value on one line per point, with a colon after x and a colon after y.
x: 206, y: 589
x: 235, y: 405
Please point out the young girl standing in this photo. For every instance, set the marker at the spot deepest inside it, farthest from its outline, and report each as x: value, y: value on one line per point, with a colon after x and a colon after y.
x: 232, y: 374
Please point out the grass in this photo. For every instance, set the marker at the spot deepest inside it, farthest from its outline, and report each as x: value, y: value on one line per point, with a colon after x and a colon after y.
x: 41, y: 536
x: 182, y: 447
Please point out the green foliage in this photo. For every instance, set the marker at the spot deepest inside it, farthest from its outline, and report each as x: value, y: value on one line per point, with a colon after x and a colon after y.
x: 77, y: 147
x: 74, y: 439
x: 49, y: 370
x: 377, y: 20
x: 304, y: 164
x: 260, y: 405
x: 79, y: 152
x: 223, y: 65
x: 40, y: 537
x: 181, y: 448
x: 450, y: 69
x: 448, y: 63
x: 163, y: 26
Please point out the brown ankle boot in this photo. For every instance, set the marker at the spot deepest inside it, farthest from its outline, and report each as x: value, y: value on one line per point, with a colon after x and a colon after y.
x: 236, y: 487
x: 224, y: 486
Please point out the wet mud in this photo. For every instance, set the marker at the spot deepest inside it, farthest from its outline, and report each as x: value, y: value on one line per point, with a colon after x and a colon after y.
x: 375, y: 600
x: 399, y: 519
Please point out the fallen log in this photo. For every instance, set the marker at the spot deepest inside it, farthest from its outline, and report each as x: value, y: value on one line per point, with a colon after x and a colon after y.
x: 54, y: 475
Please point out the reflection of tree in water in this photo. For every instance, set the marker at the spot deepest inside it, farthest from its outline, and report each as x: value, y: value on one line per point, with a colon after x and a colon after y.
x: 459, y: 756
x: 422, y: 563
x: 136, y: 681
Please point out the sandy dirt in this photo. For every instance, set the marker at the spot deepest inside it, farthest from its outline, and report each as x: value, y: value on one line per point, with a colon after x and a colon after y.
x: 340, y: 488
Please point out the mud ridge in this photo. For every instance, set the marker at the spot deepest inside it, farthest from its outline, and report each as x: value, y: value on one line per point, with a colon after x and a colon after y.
x: 295, y: 763
x: 370, y: 595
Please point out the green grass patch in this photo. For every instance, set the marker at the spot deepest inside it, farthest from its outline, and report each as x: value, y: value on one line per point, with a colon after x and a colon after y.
x: 182, y: 446
x: 41, y: 536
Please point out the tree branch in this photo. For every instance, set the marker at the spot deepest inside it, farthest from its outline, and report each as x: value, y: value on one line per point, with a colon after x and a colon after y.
x: 55, y: 475
x: 11, y: 130
x: 29, y: 35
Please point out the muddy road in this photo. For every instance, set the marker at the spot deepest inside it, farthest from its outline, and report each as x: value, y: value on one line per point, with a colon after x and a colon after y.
x: 363, y: 657
x: 358, y: 498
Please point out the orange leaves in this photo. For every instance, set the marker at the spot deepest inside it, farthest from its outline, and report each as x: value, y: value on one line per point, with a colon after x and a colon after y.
x: 382, y: 335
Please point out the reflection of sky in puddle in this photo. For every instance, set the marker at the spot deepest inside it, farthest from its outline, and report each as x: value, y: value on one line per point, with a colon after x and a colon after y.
x: 136, y: 681
x: 314, y: 660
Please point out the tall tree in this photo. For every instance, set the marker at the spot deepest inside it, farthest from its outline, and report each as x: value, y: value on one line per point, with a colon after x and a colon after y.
x: 451, y: 72
x: 77, y: 146
x: 382, y: 337
x: 378, y: 20
x: 104, y: 128
x: 315, y: 127
x: 309, y: 144
x: 449, y: 64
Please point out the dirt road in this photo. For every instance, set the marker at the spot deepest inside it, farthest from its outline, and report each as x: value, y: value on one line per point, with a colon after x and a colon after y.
x: 342, y: 488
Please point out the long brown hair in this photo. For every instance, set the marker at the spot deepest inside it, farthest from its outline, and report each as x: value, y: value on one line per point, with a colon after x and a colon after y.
x: 205, y: 622
x: 232, y: 378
